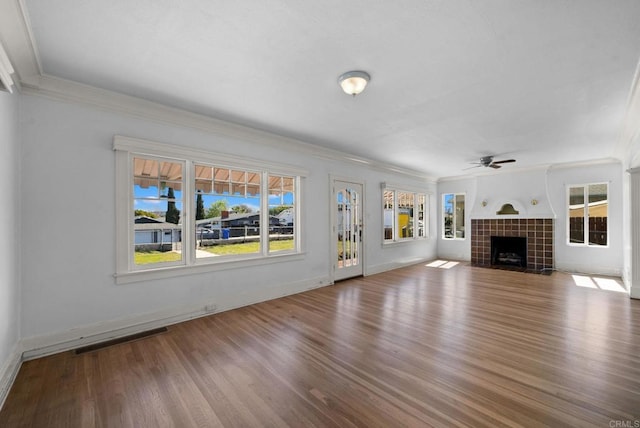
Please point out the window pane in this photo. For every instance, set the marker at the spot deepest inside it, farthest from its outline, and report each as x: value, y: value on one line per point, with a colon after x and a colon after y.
x: 157, y: 199
x: 348, y: 227
x: 170, y: 171
x: 282, y: 213
x: 171, y: 189
x: 145, y: 168
x: 598, y: 213
x: 204, y: 186
x: 146, y: 188
x: 405, y: 214
x: 227, y: 223
x: 275, y: 185
x: 238, y: 189
x: 576, y: 215
x: 220, y: 187
x: 421, y: 231
x: 287, y: 184
x: 253, y: 190
x: 238, y: 176
x: 448, y: 215
x: 388, y: 214
x: 221, y: 174
x: 204, y: 172
x: 253, y: 178
x: 459, y: 216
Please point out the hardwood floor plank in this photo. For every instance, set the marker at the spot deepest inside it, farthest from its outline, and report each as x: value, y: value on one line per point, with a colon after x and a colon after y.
x: 413, y: 347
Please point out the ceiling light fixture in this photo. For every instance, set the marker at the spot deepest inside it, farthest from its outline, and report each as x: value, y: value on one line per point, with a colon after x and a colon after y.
x: 353, y: 82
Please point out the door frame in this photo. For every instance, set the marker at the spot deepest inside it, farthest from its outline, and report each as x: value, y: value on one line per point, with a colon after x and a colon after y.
x: 333, y: 250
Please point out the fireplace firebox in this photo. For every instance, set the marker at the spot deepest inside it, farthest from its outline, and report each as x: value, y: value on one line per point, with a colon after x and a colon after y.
x: 509, y: 251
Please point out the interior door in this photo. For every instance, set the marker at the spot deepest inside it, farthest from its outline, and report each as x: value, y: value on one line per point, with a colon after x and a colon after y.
x: 347, y: 229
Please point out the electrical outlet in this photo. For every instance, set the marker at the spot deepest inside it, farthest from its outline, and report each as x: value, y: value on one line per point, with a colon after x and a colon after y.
x: 212, y: 307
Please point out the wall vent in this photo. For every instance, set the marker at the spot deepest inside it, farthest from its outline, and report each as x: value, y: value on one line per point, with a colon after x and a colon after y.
x: 119, y: 340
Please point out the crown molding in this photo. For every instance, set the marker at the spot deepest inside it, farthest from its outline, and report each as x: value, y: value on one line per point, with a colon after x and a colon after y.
x: 591, y: 162
x: 69, y: 91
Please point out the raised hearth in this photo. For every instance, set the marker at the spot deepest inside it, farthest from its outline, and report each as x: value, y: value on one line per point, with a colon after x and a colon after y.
x: 537, y: 232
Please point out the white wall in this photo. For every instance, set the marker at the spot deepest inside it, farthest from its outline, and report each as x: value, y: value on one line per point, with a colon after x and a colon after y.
x: 456, y: 249
x: 499, y: 189
x: 9, y: 253
x: 601, y: 260
x: 548, y: 187
x: 68, y: 226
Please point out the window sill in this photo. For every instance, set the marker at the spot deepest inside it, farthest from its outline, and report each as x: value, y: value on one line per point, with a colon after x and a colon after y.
x: 569, y: 244
x: 403, y: 241
x: 176, y: 271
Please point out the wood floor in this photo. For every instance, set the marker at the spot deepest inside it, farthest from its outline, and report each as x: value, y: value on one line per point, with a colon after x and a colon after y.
x: 419, y: 346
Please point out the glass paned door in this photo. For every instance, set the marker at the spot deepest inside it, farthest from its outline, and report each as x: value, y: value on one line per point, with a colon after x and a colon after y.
x: 347, y: 228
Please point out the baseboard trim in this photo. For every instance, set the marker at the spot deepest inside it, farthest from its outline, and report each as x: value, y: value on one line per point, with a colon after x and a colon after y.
x: 588, y: 269
x: 36, y: 347
x: 385, y: 267
x: 9, y: 372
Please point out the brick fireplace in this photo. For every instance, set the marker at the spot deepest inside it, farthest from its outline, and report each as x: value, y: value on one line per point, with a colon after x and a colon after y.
x: 538, y: 232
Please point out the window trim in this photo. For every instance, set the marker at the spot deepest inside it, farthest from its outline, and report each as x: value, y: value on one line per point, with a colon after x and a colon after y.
x: 416, y: 193
x: 185, y: 213
x: 127, y: 147
x: 586, y: 243
x: 454, y: 238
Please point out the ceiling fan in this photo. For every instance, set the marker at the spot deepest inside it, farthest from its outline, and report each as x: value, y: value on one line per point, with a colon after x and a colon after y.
x: 488, y: 162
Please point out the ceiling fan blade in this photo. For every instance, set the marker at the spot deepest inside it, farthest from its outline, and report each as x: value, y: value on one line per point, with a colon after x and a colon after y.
x: 493, y: 165
x: 503, y: 161
x: 471, y: 167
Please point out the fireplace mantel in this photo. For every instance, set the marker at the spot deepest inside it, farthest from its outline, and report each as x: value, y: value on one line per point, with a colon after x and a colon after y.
x: 538, y: 231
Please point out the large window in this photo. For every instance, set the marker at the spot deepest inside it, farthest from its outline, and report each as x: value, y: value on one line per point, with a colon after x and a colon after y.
x: 404, y: 215
x: 157, y: 207
x: 282, y: 212
x: 453, y: 215
x: 227, y: 212
x: 239, y: 209
x: 588, y: 208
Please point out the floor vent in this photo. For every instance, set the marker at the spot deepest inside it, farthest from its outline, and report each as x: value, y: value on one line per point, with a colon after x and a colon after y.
x: 124, y: 339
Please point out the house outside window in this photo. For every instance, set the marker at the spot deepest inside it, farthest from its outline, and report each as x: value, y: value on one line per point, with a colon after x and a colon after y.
x: 453, y: 215
x: 157, y: 205
x: 588, y: 211
x: 239, y: 211
x: 282, y: 211
x: 404, y: 215
x: 227, y: 211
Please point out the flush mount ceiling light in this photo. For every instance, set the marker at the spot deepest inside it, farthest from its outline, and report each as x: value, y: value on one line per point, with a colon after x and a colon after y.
x: 353, y: 82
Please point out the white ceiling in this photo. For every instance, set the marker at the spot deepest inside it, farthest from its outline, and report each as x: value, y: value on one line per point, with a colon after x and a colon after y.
x: 540, y: 81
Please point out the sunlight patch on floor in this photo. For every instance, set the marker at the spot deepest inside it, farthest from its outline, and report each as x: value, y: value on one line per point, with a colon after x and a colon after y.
x: 606, y: 284
x: 442, y: 264
x: 610, y: 284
